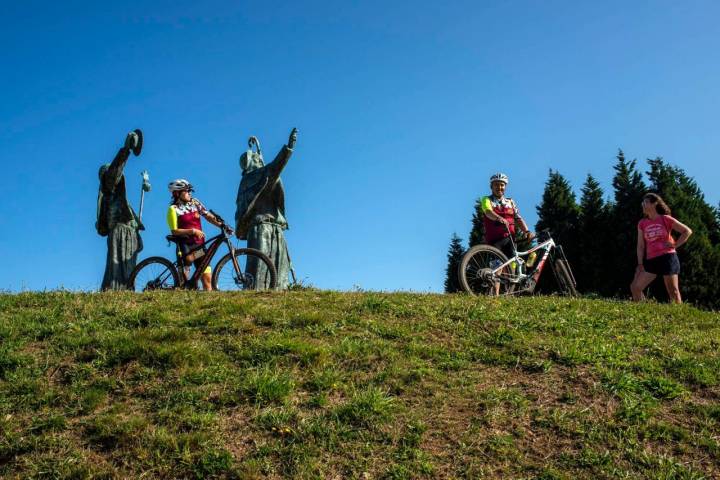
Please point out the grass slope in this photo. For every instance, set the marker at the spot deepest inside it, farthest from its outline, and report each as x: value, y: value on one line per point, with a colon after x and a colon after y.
x: 314, y: 384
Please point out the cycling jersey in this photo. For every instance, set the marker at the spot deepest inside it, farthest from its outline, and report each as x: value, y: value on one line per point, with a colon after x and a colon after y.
x: 187, y: 216
x: 503, y: 207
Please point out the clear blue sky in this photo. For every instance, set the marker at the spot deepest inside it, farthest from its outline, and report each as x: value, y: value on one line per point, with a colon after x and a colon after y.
x: 404, y: 110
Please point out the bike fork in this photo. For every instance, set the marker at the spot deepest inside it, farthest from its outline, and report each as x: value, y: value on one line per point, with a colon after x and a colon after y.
x: 236, y: 265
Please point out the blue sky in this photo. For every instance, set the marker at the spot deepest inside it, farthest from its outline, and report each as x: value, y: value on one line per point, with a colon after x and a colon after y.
x: 404, y: 110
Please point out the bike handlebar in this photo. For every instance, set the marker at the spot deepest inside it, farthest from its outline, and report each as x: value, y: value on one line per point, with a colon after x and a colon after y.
x: 224, y: 226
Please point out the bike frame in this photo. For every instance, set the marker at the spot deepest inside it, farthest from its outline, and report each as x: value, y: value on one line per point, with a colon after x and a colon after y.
x: 548, y: 245
x: 214, y: 243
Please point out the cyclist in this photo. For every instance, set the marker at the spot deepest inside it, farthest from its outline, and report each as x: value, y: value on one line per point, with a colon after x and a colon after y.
x: 501, y: 216
x: 656, y: 247
x: 183, y: 218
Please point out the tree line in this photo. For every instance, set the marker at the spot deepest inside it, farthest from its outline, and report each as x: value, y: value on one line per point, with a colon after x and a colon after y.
x: 599, y: 233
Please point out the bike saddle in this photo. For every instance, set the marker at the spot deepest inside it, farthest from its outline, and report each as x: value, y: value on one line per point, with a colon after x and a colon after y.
x: 174, y: 238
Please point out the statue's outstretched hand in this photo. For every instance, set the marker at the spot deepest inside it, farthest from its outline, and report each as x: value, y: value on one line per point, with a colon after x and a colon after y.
x: 131, y: 140
x: 293, y: 138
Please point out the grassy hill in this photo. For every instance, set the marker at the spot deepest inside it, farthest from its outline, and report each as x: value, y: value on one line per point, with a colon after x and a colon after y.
x: 314, y: 384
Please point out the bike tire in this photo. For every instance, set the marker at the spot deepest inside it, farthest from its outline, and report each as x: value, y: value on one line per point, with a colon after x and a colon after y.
x: 154, y: 273
x: 225, y: 278
x: 565, y: 278
x: 470, y: 271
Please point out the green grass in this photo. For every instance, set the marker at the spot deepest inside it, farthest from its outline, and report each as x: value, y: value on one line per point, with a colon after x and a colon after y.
x: 312, y: 384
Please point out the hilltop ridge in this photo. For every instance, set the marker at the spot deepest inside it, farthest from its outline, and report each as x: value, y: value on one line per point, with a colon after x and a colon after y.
x: 319, y: 384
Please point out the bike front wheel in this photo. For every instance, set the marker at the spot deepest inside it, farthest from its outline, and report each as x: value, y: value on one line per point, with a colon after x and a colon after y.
x: 565, y: 278
x: 154, y: 273
x: 251, y: 270
x: 476, y: 271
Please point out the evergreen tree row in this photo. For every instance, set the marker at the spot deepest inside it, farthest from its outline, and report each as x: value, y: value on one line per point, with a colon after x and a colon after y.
x: 599, y: 234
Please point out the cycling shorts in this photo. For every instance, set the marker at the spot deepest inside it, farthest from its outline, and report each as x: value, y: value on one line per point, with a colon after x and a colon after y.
x: 197, y: 262
x: 505, y: 246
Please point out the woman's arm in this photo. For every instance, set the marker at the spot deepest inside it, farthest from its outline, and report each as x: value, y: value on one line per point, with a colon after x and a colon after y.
x: 640, y: 249
x: 684, y: 232
x: 212, y: 219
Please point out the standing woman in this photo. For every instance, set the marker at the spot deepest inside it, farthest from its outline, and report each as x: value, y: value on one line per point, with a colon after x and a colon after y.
x: 656, y: 248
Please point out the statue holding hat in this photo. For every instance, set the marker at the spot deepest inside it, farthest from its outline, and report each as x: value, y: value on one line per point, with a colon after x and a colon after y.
x: 116, y: 219
x: 260, y: 213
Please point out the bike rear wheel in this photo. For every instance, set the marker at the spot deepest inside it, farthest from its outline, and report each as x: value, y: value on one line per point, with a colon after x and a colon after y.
x: 257, y: 271
x: 475, y: 271
x: 154, y: 273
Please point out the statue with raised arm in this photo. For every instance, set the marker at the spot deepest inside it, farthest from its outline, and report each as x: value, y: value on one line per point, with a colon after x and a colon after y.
x: 260, y: 214
x: 116, y: 219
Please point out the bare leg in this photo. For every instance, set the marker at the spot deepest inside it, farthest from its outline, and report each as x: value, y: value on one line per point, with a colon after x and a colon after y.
x: 673, y: 288
x: 206, y: 281
x: 640, y: 283
x: 497, y: 284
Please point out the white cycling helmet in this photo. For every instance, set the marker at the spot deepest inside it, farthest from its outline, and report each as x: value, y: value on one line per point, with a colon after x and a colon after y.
x: 180, y: 185
x: 499, y: 177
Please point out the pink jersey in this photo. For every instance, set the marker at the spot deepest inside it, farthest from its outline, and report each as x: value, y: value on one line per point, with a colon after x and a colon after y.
x: 656, y: 233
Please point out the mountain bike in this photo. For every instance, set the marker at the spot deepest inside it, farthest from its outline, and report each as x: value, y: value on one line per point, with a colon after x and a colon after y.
x: 485, y: 270
x: 159, y: 273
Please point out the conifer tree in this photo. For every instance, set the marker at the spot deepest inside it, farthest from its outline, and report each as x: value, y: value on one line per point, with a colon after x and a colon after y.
x: 684, y: 197
x: 593, y: 237
x: 559, y: 213
x: 477, y: 233
x: 621, y: 257
x: 454, y: 256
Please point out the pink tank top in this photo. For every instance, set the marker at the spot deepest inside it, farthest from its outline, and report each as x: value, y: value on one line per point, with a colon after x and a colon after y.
x: 656, y: 233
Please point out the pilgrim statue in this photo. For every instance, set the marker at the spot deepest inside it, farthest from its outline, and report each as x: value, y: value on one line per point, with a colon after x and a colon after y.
x: 116, y: 219
x: 260, y: 214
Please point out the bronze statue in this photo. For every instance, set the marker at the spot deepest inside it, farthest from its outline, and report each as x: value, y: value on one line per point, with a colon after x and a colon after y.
x: 260, y: 214
x: 116, y: 219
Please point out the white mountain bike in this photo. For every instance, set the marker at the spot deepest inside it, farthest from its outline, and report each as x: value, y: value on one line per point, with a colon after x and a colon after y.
x: 485, y: 270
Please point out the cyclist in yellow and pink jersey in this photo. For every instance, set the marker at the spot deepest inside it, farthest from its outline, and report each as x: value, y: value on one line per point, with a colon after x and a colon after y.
x: 501, y: 216
x: 656, y: 248
x: 183, y: 218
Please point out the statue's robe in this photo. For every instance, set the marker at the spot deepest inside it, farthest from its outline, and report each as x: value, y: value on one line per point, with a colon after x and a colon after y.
x: 117, y: 219
x: 260, y: 216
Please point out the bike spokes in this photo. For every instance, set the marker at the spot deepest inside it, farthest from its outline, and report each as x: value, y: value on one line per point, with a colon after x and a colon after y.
x: 247, y: 269
x: 154, y: 274
x: 479, y: 272
x: 230, y: 279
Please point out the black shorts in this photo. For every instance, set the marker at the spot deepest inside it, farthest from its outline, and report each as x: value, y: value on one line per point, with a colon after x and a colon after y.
x: 505, y: 246
x: 186, y: 249
x: 667, y: 264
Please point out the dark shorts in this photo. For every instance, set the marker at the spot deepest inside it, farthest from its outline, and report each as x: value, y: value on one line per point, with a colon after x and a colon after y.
x: 667, y: 264
x: 185, y: 249
x: 505, y: 246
